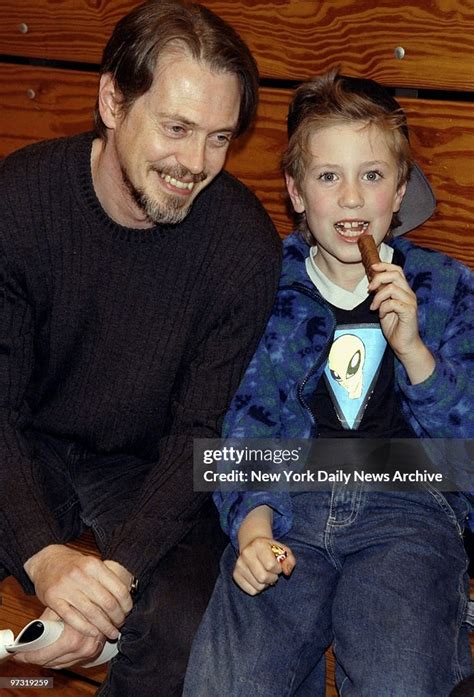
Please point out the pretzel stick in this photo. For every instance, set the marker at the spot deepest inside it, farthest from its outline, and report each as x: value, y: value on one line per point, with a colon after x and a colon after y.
x: 369, y: 254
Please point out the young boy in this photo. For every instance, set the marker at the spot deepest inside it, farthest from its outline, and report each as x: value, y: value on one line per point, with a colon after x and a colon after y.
x: 382, y: 574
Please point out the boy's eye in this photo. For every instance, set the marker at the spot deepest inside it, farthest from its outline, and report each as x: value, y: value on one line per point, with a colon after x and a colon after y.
x: 373, y: 175
x: 327, y: 177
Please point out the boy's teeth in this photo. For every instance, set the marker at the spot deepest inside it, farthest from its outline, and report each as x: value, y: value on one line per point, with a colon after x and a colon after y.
x: 352, y: 228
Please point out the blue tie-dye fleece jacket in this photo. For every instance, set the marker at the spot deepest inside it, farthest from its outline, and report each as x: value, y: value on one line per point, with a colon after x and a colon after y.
x: 271, y: 401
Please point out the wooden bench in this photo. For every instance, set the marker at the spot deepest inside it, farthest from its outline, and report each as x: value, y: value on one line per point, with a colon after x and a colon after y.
x: 49, y: 55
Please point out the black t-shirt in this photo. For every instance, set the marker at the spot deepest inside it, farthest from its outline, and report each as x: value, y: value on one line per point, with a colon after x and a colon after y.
x: 355, y: 397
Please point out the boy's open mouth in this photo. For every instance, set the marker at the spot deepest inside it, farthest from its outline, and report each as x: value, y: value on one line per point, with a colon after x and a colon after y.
x: 351, y: 228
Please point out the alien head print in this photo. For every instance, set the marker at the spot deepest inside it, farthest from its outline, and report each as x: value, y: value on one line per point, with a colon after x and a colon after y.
x: 352, y: 370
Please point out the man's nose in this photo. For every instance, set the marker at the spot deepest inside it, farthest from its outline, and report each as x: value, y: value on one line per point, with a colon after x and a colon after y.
x: 192, y: 155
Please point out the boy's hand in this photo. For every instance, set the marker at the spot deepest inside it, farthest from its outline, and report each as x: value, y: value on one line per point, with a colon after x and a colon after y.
x: 257, y: 567
x: 398, y: 312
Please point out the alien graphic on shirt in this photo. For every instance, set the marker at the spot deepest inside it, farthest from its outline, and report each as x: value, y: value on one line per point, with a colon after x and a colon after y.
x: 352, y: 369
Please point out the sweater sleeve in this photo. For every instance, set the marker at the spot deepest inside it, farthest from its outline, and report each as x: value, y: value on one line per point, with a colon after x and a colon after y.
x: 167, y: 507
x: 26, y: 524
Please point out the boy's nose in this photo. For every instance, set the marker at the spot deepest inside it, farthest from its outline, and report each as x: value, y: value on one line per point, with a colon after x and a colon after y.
x: 351, y: 196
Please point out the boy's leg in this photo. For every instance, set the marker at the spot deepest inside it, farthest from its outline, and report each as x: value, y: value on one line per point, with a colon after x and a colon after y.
x: 401, y: 599
x: 314, y: 684
x: 273, y: 643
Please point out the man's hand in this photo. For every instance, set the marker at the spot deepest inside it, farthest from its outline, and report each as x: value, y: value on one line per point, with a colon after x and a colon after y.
x: 90, y: 595
x: 72, y: 647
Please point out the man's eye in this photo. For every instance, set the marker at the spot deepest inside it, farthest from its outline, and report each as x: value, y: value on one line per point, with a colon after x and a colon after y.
x: 175, y: 129
x: 221, y: 139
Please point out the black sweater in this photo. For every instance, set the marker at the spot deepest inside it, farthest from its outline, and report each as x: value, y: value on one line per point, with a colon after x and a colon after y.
x: 122, y: 340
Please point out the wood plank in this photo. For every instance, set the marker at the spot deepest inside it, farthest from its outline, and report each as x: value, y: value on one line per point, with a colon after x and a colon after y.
x: 38, y: 103
x: 75, y: 30
x: 331, y: 690
x: 443, y: 142
x: 442, y: 138
x: 360, y: 35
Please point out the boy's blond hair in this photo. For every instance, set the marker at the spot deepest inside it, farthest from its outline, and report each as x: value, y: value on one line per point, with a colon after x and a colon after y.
x: 333, y: 99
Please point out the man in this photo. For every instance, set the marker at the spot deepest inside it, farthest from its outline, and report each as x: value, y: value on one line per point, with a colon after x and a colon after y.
x: 135, y: 280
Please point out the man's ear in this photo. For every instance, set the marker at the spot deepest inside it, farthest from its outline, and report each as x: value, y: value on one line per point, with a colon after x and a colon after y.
x: 109, y: 103
x: 397, y: 201
x: 296, y: 198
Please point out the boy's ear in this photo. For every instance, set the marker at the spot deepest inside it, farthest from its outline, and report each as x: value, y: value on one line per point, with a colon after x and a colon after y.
x: 397, y: 202
x: 109, y: 103
x: 296, y: 198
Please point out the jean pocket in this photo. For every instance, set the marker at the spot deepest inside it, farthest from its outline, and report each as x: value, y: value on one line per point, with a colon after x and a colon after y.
x: 454, y: 505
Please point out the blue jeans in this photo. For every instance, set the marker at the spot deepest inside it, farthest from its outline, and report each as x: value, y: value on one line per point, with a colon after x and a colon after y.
x: 381, y: 576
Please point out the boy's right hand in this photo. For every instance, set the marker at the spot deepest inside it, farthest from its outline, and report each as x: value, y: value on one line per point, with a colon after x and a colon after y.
x: 257, y: 567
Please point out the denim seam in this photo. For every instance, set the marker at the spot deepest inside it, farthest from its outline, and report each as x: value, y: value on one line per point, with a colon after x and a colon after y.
x: 328, y: 532
x: 462, y: 609
x: 290, y: 691
x: 98, y: 532
x: 445, y: 507
x: 66, y: 506
x: 354, y: 513
x: 341, y: 688
x: 329, y: 546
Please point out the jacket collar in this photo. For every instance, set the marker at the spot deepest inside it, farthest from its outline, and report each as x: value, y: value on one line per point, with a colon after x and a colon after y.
x: 296, y: 250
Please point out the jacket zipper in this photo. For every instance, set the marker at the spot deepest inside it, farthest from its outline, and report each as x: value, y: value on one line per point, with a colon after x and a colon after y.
x: 314, y: 296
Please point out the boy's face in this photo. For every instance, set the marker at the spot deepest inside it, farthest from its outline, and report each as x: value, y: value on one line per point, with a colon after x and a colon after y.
x: 349, y: 188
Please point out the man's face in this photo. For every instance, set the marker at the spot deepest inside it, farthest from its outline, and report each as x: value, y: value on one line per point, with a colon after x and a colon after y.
x: 349, y: 188
x: 173, y: 140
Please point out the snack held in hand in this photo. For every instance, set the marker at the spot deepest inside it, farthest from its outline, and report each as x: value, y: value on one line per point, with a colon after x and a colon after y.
x: 369, y: 254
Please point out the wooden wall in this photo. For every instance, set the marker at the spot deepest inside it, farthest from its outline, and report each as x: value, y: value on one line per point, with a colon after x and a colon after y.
x: 51, y: 49
x: 49, y: 56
